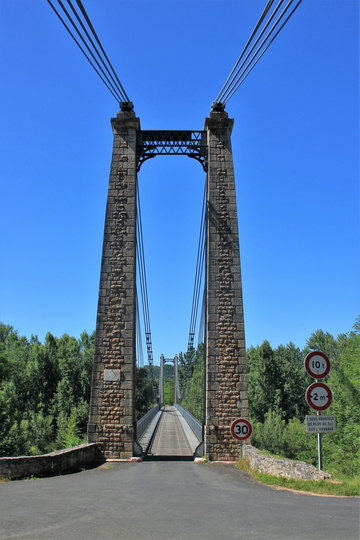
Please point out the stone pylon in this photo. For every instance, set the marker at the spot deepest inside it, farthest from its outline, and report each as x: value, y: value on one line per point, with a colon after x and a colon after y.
x: 226, y: 395
x: 112, y: 405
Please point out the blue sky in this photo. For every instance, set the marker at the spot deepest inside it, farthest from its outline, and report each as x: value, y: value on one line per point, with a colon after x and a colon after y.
x: 296, y: 154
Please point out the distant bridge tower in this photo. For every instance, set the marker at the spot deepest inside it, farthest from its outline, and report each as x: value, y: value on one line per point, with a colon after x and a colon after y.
x: 175, y: 361
x: 112, y: 406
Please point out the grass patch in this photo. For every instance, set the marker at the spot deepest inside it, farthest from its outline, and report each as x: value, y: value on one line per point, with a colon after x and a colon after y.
x: 341, y: 486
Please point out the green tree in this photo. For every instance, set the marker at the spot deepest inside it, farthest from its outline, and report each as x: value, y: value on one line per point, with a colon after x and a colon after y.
x: 144, y: 397
x: 168, y: 391
x: 343, y: 447
x: 44, y: 389
x: 263, y: 381
x: 194, y: 383
x: 292, y: 381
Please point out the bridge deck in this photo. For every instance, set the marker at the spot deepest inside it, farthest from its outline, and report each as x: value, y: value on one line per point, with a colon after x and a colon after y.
x: 172, y: 438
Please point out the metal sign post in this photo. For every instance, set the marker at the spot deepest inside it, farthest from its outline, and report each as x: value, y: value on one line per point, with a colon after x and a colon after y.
x: 318, y: 395
x: 319, y: 447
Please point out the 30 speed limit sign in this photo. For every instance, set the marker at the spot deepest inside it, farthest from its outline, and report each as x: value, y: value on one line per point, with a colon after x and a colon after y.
x: 241, y: 429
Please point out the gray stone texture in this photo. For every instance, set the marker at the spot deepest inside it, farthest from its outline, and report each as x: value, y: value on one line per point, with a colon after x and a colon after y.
x: 59, y: 462
x: 283, y: 467
x: 226, y: 389
x: 112, y: 405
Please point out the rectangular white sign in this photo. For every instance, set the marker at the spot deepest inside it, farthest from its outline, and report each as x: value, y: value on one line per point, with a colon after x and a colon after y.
x: 320, y: 424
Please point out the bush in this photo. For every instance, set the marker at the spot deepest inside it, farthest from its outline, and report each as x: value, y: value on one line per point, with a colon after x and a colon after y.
x: 289, y: 440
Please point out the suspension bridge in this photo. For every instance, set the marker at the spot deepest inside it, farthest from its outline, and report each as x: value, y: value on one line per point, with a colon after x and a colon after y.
x: 214, y: 372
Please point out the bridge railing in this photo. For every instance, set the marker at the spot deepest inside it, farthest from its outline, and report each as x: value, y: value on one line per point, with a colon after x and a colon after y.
x: 145, y: 421
x: 194, y: 424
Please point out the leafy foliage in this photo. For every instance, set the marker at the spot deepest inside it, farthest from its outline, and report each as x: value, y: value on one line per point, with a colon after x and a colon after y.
x: 276, y: 381
x: 277, y: 385
x: 191, y: 375
x: 144, y: 397
x: 44, y: 391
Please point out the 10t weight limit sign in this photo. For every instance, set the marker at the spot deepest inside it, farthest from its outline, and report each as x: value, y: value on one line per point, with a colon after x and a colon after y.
x: 317, y: 365
x: 241, y: 429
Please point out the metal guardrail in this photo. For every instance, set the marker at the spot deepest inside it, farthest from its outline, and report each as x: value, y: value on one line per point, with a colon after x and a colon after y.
x: 144, y: 422
x: 194, y: 424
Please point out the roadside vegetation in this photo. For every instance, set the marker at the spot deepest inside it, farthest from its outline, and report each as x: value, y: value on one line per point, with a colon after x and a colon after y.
x: 45, y: 390
x: 277, y: 385
x: 339, y: 485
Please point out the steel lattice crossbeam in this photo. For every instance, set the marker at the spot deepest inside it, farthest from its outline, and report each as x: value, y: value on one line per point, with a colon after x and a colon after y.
x: 187, y: 143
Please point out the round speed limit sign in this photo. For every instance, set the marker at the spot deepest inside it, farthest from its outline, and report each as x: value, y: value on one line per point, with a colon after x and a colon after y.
x: 241, y: 429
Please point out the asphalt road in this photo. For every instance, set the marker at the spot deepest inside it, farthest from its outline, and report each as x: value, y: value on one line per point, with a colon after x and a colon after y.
x: 169, y: 500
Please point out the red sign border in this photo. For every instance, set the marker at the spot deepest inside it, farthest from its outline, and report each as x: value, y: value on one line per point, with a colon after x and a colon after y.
x: 232, y: 428
x: 307, y: 367
x: 310, y: 389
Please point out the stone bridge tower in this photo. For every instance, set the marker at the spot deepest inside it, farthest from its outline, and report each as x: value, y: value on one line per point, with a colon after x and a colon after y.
x: 112, y: 406
x: 226, y: 389
x: 112, y: 402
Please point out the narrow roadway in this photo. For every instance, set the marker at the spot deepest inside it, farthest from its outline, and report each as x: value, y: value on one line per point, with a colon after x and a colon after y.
x: 168, y: 500
x: 170, y: 439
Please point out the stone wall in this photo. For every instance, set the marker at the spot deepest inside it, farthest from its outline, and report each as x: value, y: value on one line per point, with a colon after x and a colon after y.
x: 283, y: 467
x: 60, y: 462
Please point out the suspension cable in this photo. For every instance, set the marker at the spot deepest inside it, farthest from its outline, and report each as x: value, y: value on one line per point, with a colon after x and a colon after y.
x: 143, y: 289
x: 104, y: 67
x: 101, y: 47
x: 199, y: 273
x: 253, y: 46
x: 139, y: 343
x: 267, y: 7
x: 189, y: 356
x: 241, y: 71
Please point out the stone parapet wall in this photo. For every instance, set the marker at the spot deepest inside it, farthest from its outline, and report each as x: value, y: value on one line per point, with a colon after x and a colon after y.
x: 283, y: 467
x: 60, y: 462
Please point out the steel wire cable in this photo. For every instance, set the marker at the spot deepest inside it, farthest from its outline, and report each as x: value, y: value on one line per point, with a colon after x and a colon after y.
x: 201, y: 333
x: 101, y: 47
x: 144, y: 295
x: 249, y: 68
x: 142, y: 270
x: 139, y: 344
x: 199, y: 272
x: 190, y: 355
x: 257, y: 26
x: 115, y: 88
x: 253, y: 61
x: 92, y: 43
x: 239, y: 74
x: 238, y: 71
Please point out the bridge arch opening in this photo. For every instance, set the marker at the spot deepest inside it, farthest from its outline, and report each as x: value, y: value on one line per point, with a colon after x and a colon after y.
x: 171, y: 197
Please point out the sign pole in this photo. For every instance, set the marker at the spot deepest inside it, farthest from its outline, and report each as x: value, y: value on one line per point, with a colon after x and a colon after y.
x: 319, y: 447
x: 241, y: 450
x: 319, y: 452
x: 319, y: 443
x: 318, y: 395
